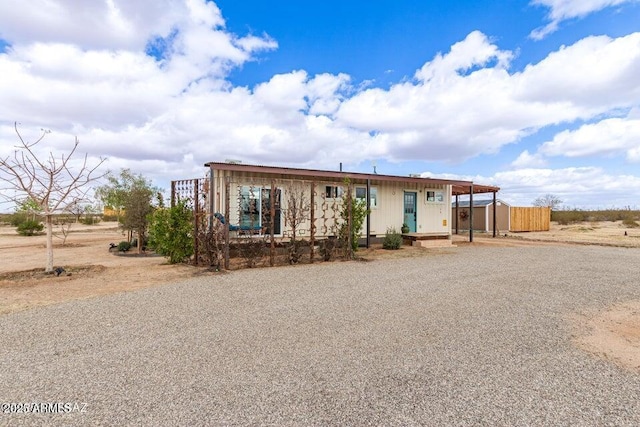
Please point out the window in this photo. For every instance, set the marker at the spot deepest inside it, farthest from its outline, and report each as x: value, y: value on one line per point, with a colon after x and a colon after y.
x: 333, y: 192
x: 255, y: 210
x: 361, y: 194
x: 434, y: 196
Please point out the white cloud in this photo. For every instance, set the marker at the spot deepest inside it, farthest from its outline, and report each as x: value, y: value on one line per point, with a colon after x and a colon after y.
x: 562, y: 10
x: 577, y: 187
x: 592, y: 76
x: 448, y: 115
x: 167, y: 117
x: 605, y: 138
x: 102, y: 24
x: 581, y: 187
x: 474, y: 51
x: 526, y: 160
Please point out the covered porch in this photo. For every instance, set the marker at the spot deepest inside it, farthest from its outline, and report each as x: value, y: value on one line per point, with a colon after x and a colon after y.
x: 462, y: 190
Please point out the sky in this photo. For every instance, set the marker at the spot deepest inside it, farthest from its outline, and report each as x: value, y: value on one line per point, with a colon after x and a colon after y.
x: 534, y: 96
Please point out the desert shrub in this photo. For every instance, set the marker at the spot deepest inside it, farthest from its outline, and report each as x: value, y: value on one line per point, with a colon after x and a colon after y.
x: 90, y: 220
x: 171, y: 232
x: 109, y: 218
x: 565, y: 217
x: 630, y: 222
x: 328, y: 246
x: 211, y: 243
x: 30, y: 227
x: 252, y: 249
x: 63, y: 219
x: 124, y: 246
x: 296, y: 250
x: 569, y: 217
x: 392, y: 239
x: 17, y: 218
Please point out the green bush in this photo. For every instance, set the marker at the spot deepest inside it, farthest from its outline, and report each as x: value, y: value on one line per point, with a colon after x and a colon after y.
x: 30, y: 227
x: 392, y: 240
x: 17, y: 219
x: 171, y: 232
x: 359, y: 213
x: 124, y: 246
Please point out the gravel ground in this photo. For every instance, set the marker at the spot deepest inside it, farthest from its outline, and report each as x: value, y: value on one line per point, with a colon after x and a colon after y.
x: 471, y: 336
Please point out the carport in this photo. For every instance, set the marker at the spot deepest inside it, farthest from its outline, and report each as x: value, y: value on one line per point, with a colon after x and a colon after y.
x: 462, y: 190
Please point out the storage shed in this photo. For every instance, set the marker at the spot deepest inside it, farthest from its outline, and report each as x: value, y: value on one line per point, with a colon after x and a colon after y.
x: 483, y: 215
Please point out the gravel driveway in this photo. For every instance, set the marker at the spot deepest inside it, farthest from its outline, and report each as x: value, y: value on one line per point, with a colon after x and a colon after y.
x: 471, y: 336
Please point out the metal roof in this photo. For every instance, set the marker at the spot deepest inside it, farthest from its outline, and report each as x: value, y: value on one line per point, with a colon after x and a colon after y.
x: 477, y: 203
x: 477, y: 189
x: 459, y: 186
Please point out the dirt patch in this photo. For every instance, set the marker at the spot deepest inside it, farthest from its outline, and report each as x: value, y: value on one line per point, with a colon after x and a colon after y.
x: 15, y: 278
x: 90, y: 268
x: 604, y: 233
x: 613, y: 335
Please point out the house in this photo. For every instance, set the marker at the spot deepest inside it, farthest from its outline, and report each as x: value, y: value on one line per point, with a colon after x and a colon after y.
x: 259, y: 200
x: 482, y: 215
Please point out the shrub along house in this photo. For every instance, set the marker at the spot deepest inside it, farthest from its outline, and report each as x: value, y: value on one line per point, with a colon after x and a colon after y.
x: 250, y: 198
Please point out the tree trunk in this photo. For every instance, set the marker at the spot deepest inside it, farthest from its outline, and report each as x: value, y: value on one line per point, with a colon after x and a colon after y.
x: 49, y: 224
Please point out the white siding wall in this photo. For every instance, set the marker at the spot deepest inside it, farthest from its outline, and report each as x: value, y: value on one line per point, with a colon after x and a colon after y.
x: 390, y: 209
x: 431, y: 216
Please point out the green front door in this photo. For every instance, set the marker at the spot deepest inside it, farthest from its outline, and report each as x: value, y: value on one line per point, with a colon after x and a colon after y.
x: 410, y: 215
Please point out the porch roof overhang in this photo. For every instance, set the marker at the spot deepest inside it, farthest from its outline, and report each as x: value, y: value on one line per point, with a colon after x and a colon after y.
x: 355, y: 177
x: 459, y: 190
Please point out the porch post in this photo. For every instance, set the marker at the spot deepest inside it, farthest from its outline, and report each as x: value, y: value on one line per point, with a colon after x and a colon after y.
x: 272, y: 226
x: 196, y: 214
x: 227, y: 199
x: 313, y: 221
x: 368, y: 213
x: 471, y: 213
x: 495, y: 209
x: 212, y: 204
x: 457, y: 214
x: 349, y: 222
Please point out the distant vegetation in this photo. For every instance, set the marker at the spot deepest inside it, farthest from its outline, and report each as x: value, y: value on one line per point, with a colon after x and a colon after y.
x: 627, y: 216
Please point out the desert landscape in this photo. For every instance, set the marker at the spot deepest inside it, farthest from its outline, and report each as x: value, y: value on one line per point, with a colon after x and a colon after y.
x: 500, y: 331
x: 92, y: 270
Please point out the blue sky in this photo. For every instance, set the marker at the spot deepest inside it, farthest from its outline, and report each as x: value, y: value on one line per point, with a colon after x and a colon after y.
x: 536, y: 97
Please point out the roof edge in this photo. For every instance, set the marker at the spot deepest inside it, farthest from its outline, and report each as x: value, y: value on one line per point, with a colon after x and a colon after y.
x: 330, y: 174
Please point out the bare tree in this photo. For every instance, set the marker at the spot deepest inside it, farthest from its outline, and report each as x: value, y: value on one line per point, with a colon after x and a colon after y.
x: 52, y: 182
x: 298, y: 208
x: 548, y: 200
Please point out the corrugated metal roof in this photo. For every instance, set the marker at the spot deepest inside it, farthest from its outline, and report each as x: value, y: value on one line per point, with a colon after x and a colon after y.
x: 477, y: 203
x: 459, y: 186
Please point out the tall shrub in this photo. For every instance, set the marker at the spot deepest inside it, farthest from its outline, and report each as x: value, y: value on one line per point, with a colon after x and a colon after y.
x: 359, y: 213
x: 171, y: 232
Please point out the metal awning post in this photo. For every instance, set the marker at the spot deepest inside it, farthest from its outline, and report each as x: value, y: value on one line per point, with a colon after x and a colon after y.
x: 212, y: 205
x: 495, y: 209
x: 368, y: 213
x: 457, y: 214
x: 471, y: 213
